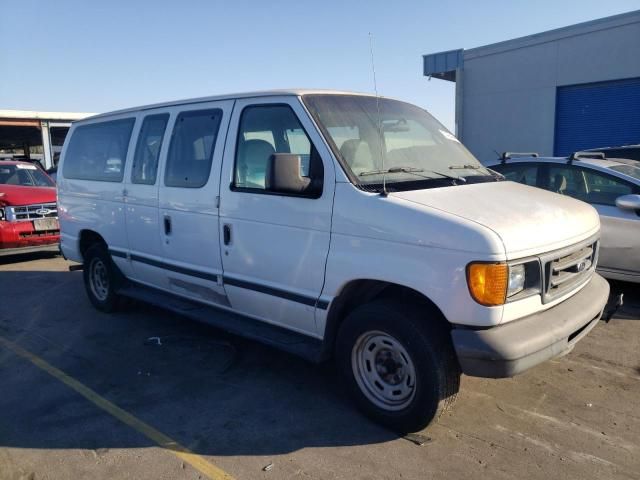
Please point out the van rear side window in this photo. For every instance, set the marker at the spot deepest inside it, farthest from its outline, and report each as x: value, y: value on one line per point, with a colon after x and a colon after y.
x: 98, y: 151
x: 145, y: 161
x: 191, y: 150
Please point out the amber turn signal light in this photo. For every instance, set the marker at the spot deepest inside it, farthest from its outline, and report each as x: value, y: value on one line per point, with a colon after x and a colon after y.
x: 488, y: 282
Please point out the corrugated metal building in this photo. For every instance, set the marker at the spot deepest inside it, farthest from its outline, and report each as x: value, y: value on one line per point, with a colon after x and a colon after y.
x: 554, y: 92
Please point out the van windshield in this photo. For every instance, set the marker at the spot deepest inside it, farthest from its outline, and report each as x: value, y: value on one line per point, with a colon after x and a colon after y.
x: 403, y: 143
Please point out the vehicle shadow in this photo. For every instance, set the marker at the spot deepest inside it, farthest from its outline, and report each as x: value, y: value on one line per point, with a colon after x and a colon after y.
x: 27, y: 257
x: 214, y: 393
x: 630, y: 310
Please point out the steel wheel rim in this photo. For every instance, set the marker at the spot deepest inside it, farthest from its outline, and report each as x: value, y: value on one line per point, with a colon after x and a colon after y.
x: 99, y: 279
x: 383, y: 370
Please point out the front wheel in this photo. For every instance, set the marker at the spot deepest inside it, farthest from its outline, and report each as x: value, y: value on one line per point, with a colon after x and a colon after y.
x: 398, y: 363
x: 101, y: 278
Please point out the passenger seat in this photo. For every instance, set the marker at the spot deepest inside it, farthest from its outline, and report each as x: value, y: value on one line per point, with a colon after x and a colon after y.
x: 253, y: 158
x: 357, y: 155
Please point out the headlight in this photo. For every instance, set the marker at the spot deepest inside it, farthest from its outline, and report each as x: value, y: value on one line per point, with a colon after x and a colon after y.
x: 488, y: 282
x: 492, y: 284
x: 516, y: 279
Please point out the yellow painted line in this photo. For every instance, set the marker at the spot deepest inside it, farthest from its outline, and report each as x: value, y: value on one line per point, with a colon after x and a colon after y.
x: 193, y: 459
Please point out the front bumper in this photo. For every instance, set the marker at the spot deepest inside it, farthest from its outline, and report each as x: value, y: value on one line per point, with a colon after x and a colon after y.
x: 510, y: 349
x: 19, y: 237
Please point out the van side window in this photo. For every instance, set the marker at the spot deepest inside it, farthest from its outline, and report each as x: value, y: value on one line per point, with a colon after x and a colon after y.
x: 145, y: 161
x: 268, y: 129
x: 191, y: 150
x: 98, y: 151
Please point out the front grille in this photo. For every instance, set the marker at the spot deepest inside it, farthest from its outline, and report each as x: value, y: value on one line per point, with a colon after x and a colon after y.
x: 25, y: 213
x: 567, y: 269
x: 44, y: 233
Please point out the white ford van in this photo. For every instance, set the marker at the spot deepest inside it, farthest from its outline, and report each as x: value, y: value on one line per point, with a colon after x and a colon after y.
x: 332, y: 224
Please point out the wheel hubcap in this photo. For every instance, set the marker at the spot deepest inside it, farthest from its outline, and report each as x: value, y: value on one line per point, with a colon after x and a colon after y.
x: 383, y: 370
x: 99, y: 279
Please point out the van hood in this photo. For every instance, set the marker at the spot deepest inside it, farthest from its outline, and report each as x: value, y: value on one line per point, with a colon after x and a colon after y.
x: 20, y: 195
x: 528, y: 220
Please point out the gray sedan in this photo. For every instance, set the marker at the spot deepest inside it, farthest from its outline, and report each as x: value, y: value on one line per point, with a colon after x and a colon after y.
x: 611, y: 187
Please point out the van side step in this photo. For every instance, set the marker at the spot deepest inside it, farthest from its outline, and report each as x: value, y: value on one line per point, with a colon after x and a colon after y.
x: 301, y: 345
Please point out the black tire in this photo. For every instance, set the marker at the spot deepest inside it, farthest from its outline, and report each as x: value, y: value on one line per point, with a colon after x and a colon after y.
x: 101, y: 278
x: 416, y: 332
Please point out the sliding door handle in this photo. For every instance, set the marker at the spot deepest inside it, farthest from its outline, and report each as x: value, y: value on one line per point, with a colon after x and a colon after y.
x: 226, y: 234
x: 167, y: 225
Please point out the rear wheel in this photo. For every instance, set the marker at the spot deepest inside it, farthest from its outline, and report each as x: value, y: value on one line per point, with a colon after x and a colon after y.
x: 101, y: 278
x: 398, y: 363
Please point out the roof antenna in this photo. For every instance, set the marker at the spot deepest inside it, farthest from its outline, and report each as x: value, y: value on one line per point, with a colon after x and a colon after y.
x: 375, y: 88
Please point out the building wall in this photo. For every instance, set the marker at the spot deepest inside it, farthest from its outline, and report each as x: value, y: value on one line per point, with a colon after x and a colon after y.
x: 509, y: 91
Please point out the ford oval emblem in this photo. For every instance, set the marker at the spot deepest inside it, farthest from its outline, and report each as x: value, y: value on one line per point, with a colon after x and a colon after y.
x: 43, y: 211
x: 581, y: 266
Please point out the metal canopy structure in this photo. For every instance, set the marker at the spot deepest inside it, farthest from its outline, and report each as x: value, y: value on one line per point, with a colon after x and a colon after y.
x: 443, y: 65
x: 25, y: 131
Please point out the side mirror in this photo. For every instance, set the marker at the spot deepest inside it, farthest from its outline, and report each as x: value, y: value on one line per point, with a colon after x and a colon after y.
x: 628, y: 202
x: 283, y: 174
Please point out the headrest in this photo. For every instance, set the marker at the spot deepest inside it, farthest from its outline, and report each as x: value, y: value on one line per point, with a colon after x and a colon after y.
x: 255, y: 153
x: 349, y: 148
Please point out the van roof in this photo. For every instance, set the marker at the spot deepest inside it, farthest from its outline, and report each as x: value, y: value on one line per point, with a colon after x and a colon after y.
x: 231, y: 96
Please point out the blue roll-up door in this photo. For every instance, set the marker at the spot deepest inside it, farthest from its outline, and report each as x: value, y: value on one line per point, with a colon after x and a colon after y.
x: 597, y: 115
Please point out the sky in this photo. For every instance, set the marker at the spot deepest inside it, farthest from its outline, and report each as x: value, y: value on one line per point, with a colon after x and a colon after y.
x: 85, y: 56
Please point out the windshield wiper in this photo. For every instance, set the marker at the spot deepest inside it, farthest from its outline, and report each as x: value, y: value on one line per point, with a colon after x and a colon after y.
x: 465, y: 167
x: 498, y: 175
x: 391, y: 170
x: 413, y: 171
x: 493, y: 173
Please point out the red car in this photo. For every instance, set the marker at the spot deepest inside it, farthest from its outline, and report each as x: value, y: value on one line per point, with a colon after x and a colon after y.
x: 28, y: 212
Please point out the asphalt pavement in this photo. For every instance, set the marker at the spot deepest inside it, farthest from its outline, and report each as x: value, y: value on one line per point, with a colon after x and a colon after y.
x: 147, y: 394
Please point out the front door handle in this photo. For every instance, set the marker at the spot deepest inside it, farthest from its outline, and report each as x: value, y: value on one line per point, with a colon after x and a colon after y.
x: 226, y: 234
x: 167, y: 225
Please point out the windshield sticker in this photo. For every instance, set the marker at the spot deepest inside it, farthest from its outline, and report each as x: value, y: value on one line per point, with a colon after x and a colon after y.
x: 449, y: 136
x: 26, y: 167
